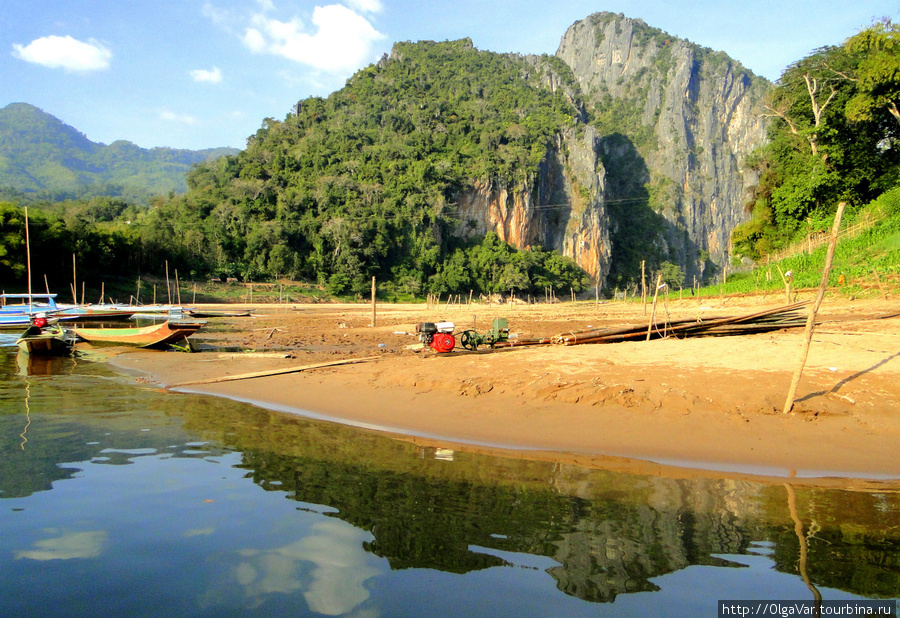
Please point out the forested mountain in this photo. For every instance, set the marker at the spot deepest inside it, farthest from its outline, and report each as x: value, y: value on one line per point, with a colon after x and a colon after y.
x: 371, y: 181
x: 624, y: 147
x: 444, y: 168
x: 43, y: 158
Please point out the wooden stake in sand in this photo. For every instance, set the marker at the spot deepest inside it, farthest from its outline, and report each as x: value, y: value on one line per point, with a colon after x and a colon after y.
x: 74, y: 282
x: 811, y: 320
x: 273, y: 372
x: 374, y: 317
x: 653, y: 313
x: 643, y: 288
x: 28, y: 257
x: 786, y: 278
x: 168, y: 288
x: 880, y: 287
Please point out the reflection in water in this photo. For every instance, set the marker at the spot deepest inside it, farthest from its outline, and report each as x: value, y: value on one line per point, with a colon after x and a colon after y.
x: 337, y: 575
x: 66, y: 546
x: 27, y: 417
x: 195, y: 504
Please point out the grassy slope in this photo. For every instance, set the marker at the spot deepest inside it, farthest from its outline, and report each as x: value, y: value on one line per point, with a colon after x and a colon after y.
x: 857, y: 258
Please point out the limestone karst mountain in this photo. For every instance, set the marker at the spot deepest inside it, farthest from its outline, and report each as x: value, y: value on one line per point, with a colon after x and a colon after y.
x: 653, y: 168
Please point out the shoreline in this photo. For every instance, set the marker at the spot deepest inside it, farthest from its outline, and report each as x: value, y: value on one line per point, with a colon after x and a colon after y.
x: 695, y: 406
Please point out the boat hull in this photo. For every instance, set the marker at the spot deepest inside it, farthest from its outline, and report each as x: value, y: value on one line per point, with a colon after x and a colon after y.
x: 53, y: 342
x: 154, y: 336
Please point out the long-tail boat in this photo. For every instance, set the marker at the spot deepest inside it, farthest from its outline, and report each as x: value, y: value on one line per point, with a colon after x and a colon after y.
x: 42, y: 338
x: 153, y: 336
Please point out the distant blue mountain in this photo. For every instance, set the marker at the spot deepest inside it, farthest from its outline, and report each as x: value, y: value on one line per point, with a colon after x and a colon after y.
x: 41, y: 157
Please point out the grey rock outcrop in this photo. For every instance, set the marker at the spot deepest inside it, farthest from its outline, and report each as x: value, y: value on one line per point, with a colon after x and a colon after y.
x: 692, y: 115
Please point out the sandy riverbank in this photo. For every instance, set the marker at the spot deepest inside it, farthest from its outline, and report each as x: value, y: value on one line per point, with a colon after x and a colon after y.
x: 711, y: 403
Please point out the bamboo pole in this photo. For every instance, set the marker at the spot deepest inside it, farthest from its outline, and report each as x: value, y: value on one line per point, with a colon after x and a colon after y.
x: 374, y: 312
x: 685, y: 327
x: 28, y: 257
x: 653, y: 312
x: 643, y: 288
x: 811, y: 320
x: 74, y: 282
x: 168, y: 289
x: 273, y: 372
x: 724, y: 281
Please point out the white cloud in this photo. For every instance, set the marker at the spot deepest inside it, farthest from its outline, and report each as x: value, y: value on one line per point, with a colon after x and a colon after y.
x: 366, y: 6
x: 213, y: 76
x: 216, y: 15
x: 64, y: 52
x: 173, y: 117
x: 342, y: 41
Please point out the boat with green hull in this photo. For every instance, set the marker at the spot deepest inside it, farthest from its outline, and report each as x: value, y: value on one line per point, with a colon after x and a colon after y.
x: 154, y: 336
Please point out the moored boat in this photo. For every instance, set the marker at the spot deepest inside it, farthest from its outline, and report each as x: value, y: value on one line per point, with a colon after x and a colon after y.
x: 204, y: 313
x: 45, y: 339
x: 93, y: 313
x: 10, y: 321
x: 153, y: 336
x: 29, y: 303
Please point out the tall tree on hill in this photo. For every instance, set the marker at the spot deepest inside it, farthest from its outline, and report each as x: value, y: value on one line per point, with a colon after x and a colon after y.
x: 821, y: 150
x: 878, y: 72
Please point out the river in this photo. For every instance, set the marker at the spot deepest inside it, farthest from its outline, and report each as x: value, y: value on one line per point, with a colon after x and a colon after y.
x: 117, y: 498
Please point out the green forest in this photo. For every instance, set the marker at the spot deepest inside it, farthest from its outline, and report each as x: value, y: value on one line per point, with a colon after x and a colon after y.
x: 364, y: 183
x: 835, y: 137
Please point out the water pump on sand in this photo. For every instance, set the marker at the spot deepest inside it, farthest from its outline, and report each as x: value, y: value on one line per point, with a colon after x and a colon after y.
x: 437, y: 335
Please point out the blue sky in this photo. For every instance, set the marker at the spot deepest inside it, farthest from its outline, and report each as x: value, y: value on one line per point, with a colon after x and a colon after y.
x: 205, y: 73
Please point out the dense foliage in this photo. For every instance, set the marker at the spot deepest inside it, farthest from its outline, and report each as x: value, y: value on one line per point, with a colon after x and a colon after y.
x: 363, y: 184
x: 835, y: 137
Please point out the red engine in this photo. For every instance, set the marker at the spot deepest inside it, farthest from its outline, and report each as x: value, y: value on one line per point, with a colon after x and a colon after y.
x: 439, y: 336
x: 443, y: 342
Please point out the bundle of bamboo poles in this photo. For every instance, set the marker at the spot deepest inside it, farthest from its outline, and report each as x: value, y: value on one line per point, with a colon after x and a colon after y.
x: 762, y: 321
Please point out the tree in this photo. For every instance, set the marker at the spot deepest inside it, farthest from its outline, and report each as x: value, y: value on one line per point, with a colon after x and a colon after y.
x: 878, y: 72
x: 805, y: 91
x: 815, y: 157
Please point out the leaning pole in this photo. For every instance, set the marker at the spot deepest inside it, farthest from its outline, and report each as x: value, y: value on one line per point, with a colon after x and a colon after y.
x: 811, y: 320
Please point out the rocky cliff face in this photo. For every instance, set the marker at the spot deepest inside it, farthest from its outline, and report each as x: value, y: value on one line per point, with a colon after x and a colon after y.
x: 658, y: 175
x: 692, y: 117
x: 562, y: 209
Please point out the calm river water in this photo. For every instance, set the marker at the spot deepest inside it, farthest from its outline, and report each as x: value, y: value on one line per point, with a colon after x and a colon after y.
x: 117, y: 499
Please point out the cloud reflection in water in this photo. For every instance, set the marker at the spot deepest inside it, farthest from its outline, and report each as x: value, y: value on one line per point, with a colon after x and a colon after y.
x: 335, y: 583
